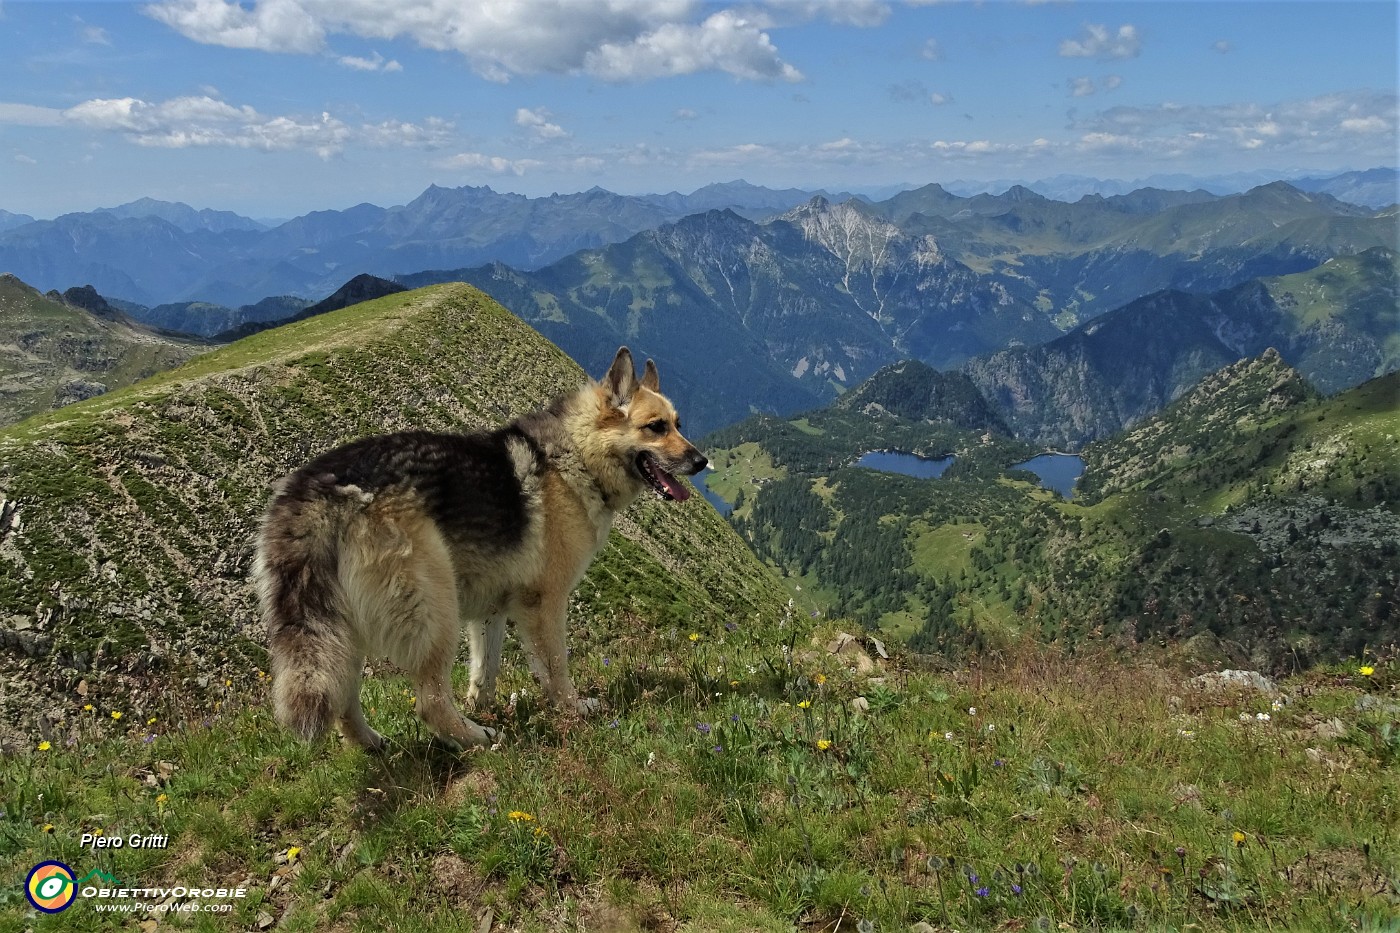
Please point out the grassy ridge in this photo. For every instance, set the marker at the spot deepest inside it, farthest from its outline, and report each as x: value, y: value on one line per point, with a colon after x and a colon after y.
x: 124, y: 567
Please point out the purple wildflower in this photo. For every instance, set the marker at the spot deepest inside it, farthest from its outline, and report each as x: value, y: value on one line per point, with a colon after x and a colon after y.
x: 982, y: 891
x: 703, y: 728
x: 1016, y: 890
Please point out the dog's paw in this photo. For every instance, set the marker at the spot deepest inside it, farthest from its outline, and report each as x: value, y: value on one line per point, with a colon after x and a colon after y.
x: 589, y: 706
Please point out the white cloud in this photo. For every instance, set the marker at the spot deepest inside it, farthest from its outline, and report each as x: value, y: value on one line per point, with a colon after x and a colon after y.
x: 1098, y: 41
x: 1223, y: 46
x: 1328, y: 123
x: 618, y: 40
x: 497, y: 165
x: 685, y: 113
x: 723, y: 42
x: 536, y: 122
x: 939, y: 99
x: 95, y: 35
x: 271, y: 25
x: 1086, y: 87
x: 186, y: 122
x: 931, y: 51
x: 375, y: 62
x: 23, y: 159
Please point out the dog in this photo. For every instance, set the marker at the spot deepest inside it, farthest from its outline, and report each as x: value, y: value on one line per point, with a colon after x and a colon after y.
x: 384, y: 546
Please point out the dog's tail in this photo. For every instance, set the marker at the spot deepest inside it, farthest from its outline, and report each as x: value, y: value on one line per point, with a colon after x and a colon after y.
x: 311, y: 655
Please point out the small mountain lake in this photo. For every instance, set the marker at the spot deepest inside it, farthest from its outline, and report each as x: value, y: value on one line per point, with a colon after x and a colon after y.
x: 894, y: 461
x: 714, y: 498
x: 1056, y: 471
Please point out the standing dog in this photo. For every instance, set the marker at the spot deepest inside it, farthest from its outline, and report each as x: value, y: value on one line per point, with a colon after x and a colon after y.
x: 381, y: 546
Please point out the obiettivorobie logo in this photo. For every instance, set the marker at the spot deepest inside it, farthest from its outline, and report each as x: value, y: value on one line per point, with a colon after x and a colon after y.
x: 52, y: 888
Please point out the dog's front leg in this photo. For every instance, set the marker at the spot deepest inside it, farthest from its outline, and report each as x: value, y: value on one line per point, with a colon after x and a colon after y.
x: 542, y: 631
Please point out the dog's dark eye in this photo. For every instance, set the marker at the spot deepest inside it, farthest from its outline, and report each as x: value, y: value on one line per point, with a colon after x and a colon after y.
x: 658, y: 426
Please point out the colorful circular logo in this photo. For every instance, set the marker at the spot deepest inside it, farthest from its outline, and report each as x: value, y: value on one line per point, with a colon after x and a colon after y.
x: 50, y: 887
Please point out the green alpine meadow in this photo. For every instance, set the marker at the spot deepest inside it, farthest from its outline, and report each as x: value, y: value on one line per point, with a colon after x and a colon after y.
x: 861, y: 702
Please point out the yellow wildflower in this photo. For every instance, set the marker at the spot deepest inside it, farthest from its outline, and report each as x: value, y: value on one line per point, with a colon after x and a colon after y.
x: 87, y: 707
x: 520, y: 816
x: 293, y: 853
x: 1238, y: 837
x: 823, y: 744
x: 44, y: 746
x: 694, y: 636
x: 162, y: 799
x: 151, y: 721
x: 1366, y: 670
x: 805, y: 704
x: 116, y: 714
x: 48, y: 827
x: 819, y: 679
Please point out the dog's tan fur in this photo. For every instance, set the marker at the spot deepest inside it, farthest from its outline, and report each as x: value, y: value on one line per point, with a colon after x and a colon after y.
x: 363, y: 553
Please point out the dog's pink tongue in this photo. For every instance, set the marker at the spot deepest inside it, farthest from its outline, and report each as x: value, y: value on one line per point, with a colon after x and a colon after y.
x: 673, y: 486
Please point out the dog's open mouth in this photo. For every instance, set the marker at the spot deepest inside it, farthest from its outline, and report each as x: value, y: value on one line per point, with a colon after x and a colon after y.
x: 664, y: 484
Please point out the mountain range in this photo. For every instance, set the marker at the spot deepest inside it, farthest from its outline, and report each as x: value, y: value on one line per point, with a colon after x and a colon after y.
x: 1338, y: 324
x: 786, y: 311
x: 152, y: 252
x: 796, y: 309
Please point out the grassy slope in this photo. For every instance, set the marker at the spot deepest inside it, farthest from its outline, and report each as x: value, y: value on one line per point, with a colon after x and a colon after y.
x: 729, y: 786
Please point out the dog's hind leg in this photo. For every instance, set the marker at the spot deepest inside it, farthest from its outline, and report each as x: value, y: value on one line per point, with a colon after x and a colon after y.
x: 433, y: 682
x: 485, y: 638
x: 352, y: 718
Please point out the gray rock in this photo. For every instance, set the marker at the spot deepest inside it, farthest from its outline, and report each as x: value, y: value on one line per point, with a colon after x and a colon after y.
x: 1235, y: 680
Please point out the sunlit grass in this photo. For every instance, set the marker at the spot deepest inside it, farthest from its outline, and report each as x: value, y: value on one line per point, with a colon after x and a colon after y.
x: 736, y: 782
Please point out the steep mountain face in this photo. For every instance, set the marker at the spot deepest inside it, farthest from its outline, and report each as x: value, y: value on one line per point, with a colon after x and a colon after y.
x: 58, y: 349
x: 1337, y: 323
x: 126, y: 522
x: 777, y: 315
x: 1082, y: 259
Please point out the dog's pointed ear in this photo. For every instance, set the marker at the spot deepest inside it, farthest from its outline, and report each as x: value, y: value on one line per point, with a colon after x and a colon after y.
x: 621, y: 379
x: 650, y: 379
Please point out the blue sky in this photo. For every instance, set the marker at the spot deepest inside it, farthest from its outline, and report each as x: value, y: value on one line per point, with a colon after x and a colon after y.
x: 278, y: 107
